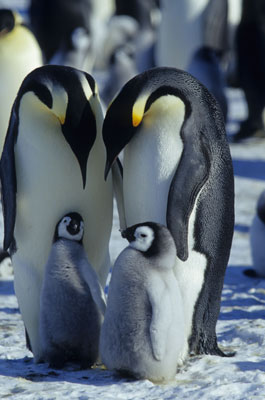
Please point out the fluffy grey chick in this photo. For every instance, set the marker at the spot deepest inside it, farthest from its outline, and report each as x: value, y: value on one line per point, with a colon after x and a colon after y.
x: 143, y: 331
x: 72, y: 301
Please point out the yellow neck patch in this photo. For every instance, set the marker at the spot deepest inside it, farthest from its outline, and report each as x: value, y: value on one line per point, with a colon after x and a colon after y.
x: 138, y: 109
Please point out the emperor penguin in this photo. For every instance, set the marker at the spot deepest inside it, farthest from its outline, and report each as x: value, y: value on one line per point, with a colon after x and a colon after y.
x: 144, y: 312
x: 257, y: 239
x: 177, y: 171
x: 180, y: 32
x: 72, y: 301
x: 19, y: 55
x: 52, y: 162
x: 205, y: 66
x: 55, y: 21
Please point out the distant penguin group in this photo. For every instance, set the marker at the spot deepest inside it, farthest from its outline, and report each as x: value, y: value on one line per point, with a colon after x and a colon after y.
x: 175, y: 196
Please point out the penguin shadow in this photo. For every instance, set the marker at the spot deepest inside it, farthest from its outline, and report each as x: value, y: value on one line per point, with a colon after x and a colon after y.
x: 233, y: 305
x: 25, y: 368
x: 6, y: 287
x: 250, y: 366
x: 253, y: 169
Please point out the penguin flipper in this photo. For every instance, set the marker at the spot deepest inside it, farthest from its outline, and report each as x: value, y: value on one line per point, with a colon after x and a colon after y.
x: 117, y: 176
x: 9, y: 185
x: 190, y: 176
x: 160, y: 321
x: 97, y: 293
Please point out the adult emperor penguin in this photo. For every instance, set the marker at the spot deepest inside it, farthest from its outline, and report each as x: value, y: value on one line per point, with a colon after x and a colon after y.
x: 144, y: 312
x: 71, y: 305
x: 19, y: 55
x: 177, y: 171
x: 53, y: 162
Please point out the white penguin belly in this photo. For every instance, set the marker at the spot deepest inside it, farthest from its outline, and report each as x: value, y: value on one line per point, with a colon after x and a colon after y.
x: 168, y: 325
x: 150, y: 161
x: 190, y: 276
x: 17, y: 59
x: 180, y: 32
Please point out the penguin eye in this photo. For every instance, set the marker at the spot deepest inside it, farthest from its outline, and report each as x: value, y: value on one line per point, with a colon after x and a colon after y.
x: 65, y: 221
x: 143, y: 235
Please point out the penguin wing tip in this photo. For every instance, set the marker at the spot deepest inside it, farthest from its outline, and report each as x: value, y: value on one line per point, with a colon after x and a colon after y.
x: 183, y: 255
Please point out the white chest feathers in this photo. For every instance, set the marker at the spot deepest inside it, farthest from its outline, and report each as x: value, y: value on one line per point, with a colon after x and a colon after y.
x: 151, y: 159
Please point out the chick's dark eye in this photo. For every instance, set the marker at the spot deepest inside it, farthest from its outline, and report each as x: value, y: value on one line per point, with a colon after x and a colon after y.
x: 143, y: 235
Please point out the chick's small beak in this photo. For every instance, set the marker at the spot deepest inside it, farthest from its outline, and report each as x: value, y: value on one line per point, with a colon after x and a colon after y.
x: 73, y: 227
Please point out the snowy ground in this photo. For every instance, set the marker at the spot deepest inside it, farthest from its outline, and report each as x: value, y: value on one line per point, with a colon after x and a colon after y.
x: 241, y: 326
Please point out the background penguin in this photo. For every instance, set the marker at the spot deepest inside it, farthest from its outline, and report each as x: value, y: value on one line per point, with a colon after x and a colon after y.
x: 250, y: 48
x: 54, y: 21
x: 177, y: 171
x: 257, y: 240
x: 52, y: 162
x: 144, y: 311
x: 180, y: 32
x: 205, y: 66
x: 70, y: 306
x: 19, y: 55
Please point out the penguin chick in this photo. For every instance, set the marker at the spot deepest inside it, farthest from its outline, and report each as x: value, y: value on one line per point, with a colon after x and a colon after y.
x: 143, y: 331
x: 72, y: 301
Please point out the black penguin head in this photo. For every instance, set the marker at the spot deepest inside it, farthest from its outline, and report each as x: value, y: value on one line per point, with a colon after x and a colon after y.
x: 7, y: 21
x: 150, y: 238
x: 71, y: 96
x: 126, y: 112
x: 70, y: 227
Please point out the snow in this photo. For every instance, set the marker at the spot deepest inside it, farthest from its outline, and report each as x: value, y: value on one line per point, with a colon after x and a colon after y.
x: 240, y: 328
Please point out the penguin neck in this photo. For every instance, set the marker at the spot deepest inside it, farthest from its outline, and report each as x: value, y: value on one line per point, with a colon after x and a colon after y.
x: 150, y: 161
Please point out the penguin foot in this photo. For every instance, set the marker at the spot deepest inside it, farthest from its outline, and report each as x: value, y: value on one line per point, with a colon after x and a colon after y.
x: 210, y: 347
x: 218, y: 352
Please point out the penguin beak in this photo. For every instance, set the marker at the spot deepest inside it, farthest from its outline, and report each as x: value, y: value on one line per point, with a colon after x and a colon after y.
x: 73, y: 227
x: 108, y: 166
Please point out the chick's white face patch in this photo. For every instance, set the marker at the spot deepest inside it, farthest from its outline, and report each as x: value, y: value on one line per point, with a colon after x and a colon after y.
x: 64, y: 233
x: 144, y: 237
